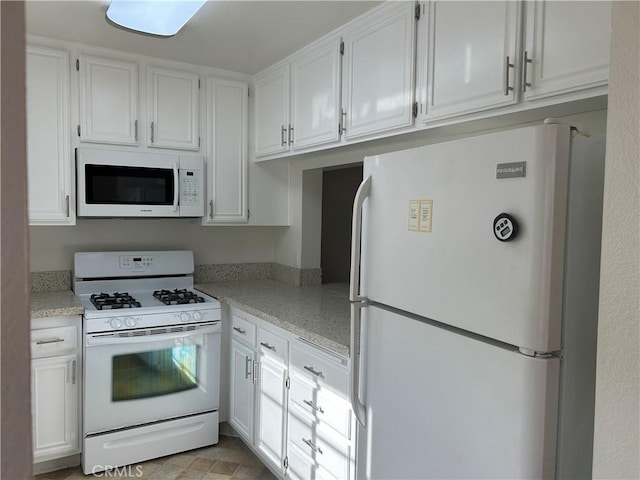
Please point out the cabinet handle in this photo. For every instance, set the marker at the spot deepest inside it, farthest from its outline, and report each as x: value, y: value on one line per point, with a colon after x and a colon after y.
x: 525, y: 63
x: 73, y: 372
x: 247, y: 366
x: 266, y: 345
x: 256, y: 372
x: 135, y: 130
x: 283, y: 132
x: 507, y: 66
x: 290, y: 135
x: 313, y: 405
x: 152, y: 132
x: 53, y: 340
x: 343, y: 121
x: 240, y: 330
x: 312, y: 446
x: 316, y: 373
x: 211, y: 209
x: 66, y: 205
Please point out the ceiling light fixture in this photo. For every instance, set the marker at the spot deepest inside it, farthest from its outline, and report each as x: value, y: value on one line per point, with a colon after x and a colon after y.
x: 156, y: 17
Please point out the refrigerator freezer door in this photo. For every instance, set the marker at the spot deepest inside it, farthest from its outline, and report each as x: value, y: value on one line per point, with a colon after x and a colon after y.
x: 437, y: 242
x: 443, y: 405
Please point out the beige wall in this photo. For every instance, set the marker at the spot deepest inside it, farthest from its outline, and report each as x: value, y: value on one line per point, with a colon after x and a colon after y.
x: 15, y: 448
x: 617, y: 422
x: 52, y: 248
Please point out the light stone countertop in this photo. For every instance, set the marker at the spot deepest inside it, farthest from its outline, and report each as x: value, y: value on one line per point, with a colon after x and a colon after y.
x: 318, y: 313
x: 52, y: 304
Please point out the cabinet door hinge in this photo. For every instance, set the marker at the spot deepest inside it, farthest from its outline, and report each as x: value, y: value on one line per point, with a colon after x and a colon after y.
x: 415, y: 109
x: 341, y: 47
x: 285, y: 462
x: 77, y: 64
x: 287, y: 382
x: 78, y: 130
x: 198, y: 142
x: 248, y: 214
x: 73, y: 372
x: 198, y: 84
x: 418, y: 10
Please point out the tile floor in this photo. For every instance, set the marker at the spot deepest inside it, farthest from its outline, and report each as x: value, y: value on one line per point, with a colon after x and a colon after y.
x: 230, y: 459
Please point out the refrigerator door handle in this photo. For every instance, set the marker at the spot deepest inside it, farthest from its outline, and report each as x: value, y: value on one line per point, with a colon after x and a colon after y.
x: 356, y: 234
x: 354, y: 378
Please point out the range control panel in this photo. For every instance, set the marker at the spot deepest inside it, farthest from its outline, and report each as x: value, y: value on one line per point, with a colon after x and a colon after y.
x: 133, y: 261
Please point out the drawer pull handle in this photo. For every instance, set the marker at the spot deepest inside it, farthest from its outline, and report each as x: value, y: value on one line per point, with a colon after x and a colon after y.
x: 240, y: 330
x: 312, y: 446
x: 313, y: 405
x: 316, y: 373
x: 266, y: 345
x: 53, y: 340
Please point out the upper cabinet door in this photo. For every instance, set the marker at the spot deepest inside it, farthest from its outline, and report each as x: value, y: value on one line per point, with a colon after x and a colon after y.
x: 567, y: 47
x: 315, y: 82
x: 379, y: 59
x: 49, y: 160
x: 472, y: 56
x: 227, y: 104
x: 173, y: 109
x: 272, y: 111
x: 108, y: 101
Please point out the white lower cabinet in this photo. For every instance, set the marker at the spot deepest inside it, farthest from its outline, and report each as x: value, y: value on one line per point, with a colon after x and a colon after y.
x: 55, y: 389
x: 271, y: 409
x: 289, y: 401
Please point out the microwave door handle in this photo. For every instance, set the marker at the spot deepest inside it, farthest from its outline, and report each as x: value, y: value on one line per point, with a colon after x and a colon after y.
x: 176, y: 186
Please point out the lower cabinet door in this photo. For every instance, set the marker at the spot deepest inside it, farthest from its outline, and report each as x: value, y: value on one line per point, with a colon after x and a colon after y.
x: 54, y: 407
x: 272, y: 413
x: 241, y: 401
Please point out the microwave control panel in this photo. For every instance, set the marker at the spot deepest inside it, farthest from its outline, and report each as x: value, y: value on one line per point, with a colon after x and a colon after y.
x: 190, y: 188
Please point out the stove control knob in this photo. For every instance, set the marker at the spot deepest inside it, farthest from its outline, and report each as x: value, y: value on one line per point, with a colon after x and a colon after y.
x: 197, y: 316
x: 185, y: 317
x: 130, y: 322
x: 116, y: 323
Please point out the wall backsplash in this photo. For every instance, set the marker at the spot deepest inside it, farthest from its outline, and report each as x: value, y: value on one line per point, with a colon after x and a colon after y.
x: 62, y: 279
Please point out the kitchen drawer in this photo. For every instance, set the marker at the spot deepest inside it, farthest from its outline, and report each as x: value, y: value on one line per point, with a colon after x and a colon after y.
x: 273, y: 344
x: 329, y: 451
x: 49, y: 342
x: 322, y: 404
x: 321, y: 366
x: 303, y: 467
x: 242, y: 329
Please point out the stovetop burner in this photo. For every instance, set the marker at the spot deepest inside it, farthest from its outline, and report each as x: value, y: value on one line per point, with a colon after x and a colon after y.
x: 113, y: 301
x: 177, y: 297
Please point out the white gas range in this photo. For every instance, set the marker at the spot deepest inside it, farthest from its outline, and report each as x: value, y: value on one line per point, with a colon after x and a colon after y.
x: 151, y: 357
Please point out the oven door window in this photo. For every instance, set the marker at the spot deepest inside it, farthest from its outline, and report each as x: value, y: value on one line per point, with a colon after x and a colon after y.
x: 118, y: 185
x: 154, y: 373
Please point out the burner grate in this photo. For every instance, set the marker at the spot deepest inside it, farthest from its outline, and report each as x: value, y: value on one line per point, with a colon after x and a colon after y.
x: 113, y: 301
x: 177, y: 296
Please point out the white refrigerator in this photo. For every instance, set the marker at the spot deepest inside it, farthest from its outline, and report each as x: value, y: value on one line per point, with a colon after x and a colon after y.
x: 474, y: 289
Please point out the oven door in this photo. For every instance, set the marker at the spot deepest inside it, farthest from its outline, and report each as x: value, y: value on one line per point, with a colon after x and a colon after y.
x: 126, y: 184
x: 147, y: 375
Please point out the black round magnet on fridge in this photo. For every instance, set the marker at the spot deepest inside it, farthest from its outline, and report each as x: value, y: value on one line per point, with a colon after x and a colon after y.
x: 505, y: 227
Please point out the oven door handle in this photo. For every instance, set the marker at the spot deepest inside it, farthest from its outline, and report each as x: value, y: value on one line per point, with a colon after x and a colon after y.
x: 114, y: 339
x: 176, y: 187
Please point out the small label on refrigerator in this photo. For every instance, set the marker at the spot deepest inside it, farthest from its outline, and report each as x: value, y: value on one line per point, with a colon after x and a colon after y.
x: 414, y: 215
x: 511, y: 170
x: 426, y: 211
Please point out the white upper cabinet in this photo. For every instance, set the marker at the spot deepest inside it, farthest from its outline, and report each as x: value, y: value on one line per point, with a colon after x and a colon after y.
x: 472, y: 56
x: 379, y: 62
x: 49, y: 160
x: 108, y: 101
x: 173, y: 99
x: 272, y: 111
x: 566, y: 48
x: 315, y: 92
x: 226, y: 151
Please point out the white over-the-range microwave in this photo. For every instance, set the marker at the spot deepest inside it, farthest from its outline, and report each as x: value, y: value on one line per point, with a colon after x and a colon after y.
x: 133, y: 184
